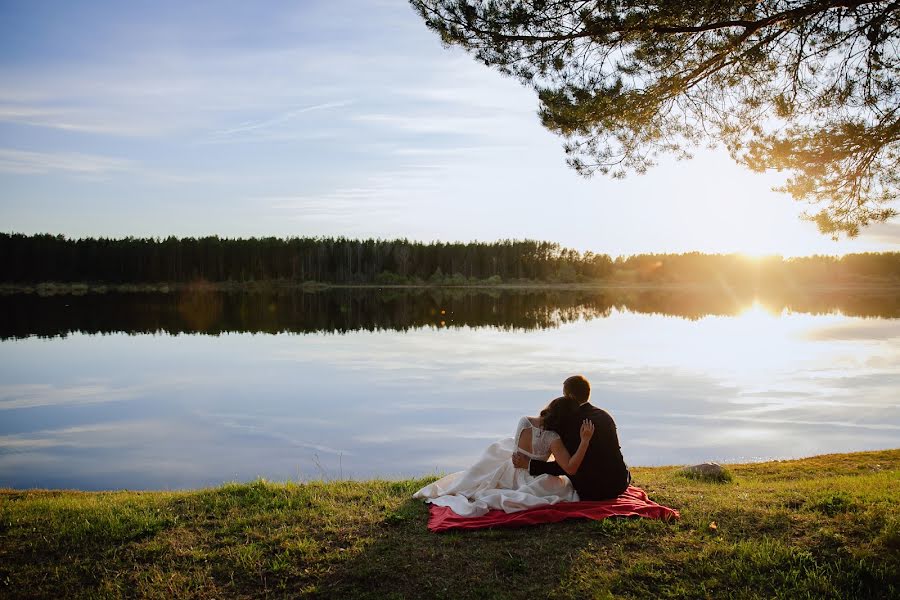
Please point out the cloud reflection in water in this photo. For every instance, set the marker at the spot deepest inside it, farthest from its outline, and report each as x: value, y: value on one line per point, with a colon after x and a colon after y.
x: 160, y: 411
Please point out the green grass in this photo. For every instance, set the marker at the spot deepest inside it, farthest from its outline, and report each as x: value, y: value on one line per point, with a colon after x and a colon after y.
x: 822, y: 527
x: 724, y: 476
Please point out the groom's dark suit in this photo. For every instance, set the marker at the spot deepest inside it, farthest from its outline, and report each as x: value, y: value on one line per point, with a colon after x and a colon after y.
x: 602, y: 474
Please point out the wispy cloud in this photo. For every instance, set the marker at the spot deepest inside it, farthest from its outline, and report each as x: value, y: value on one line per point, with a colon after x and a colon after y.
x: 94, y: 391
x: 341, y: 203
x: 45, y: 394
x: 887, y: 233
x: 857, y: 330
x: 117, y: 434
x: 96, y: 167
x: 26, y: 162
x: 790, y: 421
x: 160, y: 93
x: 476, y: 124
x: 443, y: 152
x: 383, y: 194
x: 267, y: 427
x: 279, y: 119
x: 72, y: 119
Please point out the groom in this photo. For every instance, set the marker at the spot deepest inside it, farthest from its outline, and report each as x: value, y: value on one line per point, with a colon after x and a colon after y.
x: 603, y: 474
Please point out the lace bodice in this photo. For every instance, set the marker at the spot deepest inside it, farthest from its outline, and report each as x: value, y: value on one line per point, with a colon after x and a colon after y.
x: 540, y: 439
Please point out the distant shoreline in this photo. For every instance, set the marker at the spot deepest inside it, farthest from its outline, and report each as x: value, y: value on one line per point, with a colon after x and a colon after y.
x: 81, y: 288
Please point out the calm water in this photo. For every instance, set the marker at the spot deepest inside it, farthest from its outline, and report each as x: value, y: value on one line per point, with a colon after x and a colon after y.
x: 186, y: 390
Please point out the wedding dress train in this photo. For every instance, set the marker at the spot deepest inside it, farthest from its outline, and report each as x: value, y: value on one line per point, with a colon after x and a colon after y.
x: 494, y: 483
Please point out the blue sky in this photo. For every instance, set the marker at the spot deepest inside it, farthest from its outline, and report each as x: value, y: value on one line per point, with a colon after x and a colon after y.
x: 326, y: 118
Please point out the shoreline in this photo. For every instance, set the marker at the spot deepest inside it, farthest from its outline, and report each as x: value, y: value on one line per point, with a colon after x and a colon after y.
x: 83, y: 288
x: 823, y: 526
x: 745, y: 463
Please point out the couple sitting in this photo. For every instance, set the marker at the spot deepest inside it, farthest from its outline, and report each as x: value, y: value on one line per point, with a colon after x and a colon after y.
x: 513, y: 474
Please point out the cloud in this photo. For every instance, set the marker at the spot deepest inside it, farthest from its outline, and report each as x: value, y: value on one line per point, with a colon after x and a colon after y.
x: 26, y: 162
x: 74, y: 119
x: 385, y: 194
x: 31, y: 395
x: 424, y: 151
x: 267, y: 427
x: 117, y: 434
x: 343, y: 203
x: 788, y: 421
x: 161, y: 92
x: 479, y: 124
x: 885, y: 233
x: 434, y: 434
x: 97, y: 167
x: 279, y: 119
x: 857, y: 330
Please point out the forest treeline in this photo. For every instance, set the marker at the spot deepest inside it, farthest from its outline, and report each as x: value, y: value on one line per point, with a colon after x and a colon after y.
x: 45, y: 257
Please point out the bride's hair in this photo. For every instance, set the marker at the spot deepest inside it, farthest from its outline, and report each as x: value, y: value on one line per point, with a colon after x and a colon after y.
x: 557, y: 410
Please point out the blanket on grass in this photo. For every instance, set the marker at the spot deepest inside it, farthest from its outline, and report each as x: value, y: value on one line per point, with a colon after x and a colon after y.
x: 632, y: 503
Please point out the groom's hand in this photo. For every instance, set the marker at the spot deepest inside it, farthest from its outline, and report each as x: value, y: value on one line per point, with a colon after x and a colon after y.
x: 520, y: 460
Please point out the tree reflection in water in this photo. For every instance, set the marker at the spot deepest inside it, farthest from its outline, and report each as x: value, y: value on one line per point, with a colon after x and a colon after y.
x: 352, y: 309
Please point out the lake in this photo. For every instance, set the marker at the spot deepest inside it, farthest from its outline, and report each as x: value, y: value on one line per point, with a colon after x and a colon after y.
x: 189, y: 389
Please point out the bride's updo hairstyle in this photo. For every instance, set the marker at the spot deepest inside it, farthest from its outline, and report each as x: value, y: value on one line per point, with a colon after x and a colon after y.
x: 557, y: 411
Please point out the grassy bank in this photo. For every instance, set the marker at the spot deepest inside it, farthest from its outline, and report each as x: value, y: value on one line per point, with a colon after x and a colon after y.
x: 826, y: 526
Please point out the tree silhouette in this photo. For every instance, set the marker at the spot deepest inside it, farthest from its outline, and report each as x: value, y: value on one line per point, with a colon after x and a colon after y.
x: 197, y: 261
x: 805, y: 86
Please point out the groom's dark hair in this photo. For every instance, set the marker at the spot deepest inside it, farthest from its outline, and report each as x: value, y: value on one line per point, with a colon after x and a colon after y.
x: 577, y: 387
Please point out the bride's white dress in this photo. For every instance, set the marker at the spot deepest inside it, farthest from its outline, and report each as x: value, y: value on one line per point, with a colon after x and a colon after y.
x: 494, y: 483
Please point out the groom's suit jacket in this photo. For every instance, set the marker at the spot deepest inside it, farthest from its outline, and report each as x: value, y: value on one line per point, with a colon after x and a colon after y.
x: 602, y: 474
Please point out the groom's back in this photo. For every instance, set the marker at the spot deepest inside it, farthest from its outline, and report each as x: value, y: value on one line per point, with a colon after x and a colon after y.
x: 602, y: 473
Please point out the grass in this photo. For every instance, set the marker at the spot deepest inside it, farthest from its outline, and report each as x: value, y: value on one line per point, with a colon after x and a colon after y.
x: 821, y: 527
x: 723, y: 476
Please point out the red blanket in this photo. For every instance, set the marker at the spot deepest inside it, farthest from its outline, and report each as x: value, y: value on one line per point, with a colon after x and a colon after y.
x: 632, y: 503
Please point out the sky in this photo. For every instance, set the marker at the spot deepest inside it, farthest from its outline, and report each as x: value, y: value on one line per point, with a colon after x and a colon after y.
x: 311, y: 118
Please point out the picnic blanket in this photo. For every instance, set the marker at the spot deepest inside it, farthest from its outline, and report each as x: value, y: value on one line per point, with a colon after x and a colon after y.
x: 632, y: 503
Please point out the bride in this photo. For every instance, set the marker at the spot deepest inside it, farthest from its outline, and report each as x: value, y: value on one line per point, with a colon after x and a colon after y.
x: 494, y: 483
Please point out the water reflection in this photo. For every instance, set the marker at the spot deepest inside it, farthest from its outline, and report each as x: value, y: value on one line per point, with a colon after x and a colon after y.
x: 372, y: 309
x: 164, y: 411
